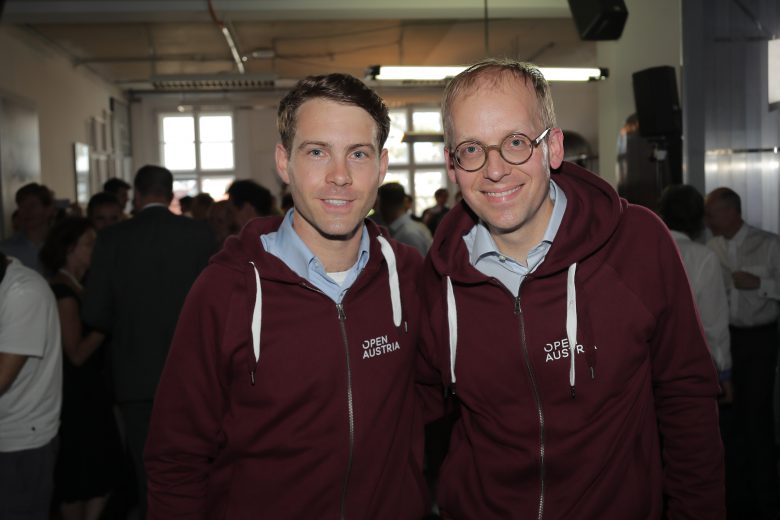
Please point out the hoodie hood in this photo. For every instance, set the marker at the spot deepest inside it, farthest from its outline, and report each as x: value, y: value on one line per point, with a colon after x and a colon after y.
x: 245, y: 253
x: 577, y: 238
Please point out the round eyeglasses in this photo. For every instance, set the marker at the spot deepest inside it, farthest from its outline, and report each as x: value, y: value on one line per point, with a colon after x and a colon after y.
x: 515, y: 149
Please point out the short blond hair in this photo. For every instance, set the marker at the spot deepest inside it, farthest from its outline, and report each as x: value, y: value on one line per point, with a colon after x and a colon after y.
x: 497, y: 70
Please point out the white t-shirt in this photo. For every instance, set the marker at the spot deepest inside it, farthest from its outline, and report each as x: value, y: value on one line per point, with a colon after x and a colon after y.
x: 30, y: 326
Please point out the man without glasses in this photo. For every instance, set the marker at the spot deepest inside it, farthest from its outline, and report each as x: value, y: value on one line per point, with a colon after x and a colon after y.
x: 289, y: 389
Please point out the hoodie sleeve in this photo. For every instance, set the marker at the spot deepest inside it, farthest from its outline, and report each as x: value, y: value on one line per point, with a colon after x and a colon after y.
x: 429, y: 376
x: 185, y: 430
x: 685, y: 386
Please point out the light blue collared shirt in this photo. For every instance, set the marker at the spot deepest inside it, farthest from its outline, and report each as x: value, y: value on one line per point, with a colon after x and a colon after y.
x: 487, y: 259
x: 287, y: 246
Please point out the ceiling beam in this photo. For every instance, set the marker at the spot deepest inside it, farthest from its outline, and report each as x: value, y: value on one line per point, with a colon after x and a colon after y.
x: 103, y: 11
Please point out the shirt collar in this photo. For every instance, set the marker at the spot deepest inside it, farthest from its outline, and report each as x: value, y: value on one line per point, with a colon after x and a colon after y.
x: 679, y: 235
x: 297, y: 255
x: 155, y: 205
x: 484, y: 244
x: 740, y: 235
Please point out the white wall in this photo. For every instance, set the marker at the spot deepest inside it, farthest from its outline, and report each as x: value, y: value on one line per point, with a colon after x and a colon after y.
x: 65, y: 97
x: 651, y: 38
x: 577, y: 109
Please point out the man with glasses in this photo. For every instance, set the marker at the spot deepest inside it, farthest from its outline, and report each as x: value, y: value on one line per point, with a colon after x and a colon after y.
x: 562, y: 322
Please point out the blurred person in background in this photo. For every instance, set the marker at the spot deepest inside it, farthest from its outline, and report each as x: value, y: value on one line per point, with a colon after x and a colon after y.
x: 90, y: 450
x: 199, y: 209
x: 103, y: 210
x: 35, y: 204
x: 250, y: 200
x: 119, y: 189
x: 30, y: 391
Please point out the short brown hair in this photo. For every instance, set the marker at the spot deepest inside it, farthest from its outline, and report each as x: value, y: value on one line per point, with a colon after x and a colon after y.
x: 154, y: 180
x: 33, y: 189
x: 341, y: 88
x: 497, y: 70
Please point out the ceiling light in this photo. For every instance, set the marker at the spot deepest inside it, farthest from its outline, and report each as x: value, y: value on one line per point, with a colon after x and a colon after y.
x: 393, y: 73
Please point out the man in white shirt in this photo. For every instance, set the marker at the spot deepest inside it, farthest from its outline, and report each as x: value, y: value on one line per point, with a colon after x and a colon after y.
x: 390, y: 201
x: 30, y: 391
x: 682, y: 209
x: 750, y: 262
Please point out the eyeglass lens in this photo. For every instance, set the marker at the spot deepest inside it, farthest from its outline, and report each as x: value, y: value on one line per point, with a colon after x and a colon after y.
x: 515, y: 149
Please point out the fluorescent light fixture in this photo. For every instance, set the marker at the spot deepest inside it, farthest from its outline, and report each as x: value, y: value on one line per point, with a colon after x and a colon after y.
x: 393, y: 73
x: 233, y: 49
x: 573, y: 74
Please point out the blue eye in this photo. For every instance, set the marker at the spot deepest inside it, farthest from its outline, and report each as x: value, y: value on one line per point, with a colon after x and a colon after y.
x: 359, y: 154
x: 471, y: 149
x: 516, y: 142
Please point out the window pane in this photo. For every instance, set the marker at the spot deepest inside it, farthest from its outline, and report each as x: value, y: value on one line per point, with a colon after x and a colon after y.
x: 216, y: 128
x: 216, y: 156
x: 178, y: 129
x: 397, y: 151
x: 399, y: 176
x: 179, y: 156
x: 428, y: 152
x: 428, y: 121
x: 216, y: 186
x: 425, y: 185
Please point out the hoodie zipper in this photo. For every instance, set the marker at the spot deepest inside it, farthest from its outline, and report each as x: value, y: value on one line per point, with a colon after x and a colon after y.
x: 350, y: 405
x: 537, y: 400
x: 350, y: 408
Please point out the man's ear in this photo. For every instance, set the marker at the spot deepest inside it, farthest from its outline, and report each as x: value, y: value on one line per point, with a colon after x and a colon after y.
x: 555, y: 146
x: 450, y: 163
x: 282, y: 160
x: 384, y: 160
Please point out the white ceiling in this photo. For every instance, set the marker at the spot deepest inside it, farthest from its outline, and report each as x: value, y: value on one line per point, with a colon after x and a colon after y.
x: 130, y: 42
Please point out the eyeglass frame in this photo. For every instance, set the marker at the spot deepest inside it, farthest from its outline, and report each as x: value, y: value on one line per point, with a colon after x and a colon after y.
x: 534, y: 144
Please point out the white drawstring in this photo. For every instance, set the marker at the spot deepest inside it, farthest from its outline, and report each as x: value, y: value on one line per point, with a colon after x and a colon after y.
x: 571, y: 321
x: 257, y: 316
x: 392, y: 275
x: 571, y: 324
x: 452, y: 321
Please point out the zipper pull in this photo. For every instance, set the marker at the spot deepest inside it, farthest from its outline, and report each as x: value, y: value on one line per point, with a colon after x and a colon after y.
x: 340, y: 309
x: 518, y: 310
x: 252, y: 377
x: 449, y: 391
x: 591, y: 357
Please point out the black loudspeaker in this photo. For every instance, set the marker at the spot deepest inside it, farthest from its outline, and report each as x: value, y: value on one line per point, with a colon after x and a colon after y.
x: 599, y: 19
x: 657, y: 104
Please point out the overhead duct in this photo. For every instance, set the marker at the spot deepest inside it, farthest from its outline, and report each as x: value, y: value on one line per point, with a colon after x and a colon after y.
x: 200, y: 82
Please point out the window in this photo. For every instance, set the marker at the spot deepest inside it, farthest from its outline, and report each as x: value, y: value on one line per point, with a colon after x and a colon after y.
x: 198, y: 149
x: 418, y: 167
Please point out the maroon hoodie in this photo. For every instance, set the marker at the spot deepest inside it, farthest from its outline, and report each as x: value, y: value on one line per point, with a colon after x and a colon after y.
x: 277, y: 403
x: 612, y: 417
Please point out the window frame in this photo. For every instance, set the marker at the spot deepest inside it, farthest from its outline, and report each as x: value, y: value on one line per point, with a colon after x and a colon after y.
x: 198, y: 173
x: 413, y: 166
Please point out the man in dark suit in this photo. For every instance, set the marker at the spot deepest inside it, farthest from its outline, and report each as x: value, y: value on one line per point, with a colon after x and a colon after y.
x: 141, y: 271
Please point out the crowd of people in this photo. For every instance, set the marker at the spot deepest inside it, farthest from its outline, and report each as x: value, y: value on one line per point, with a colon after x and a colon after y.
x: 581, y: 356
